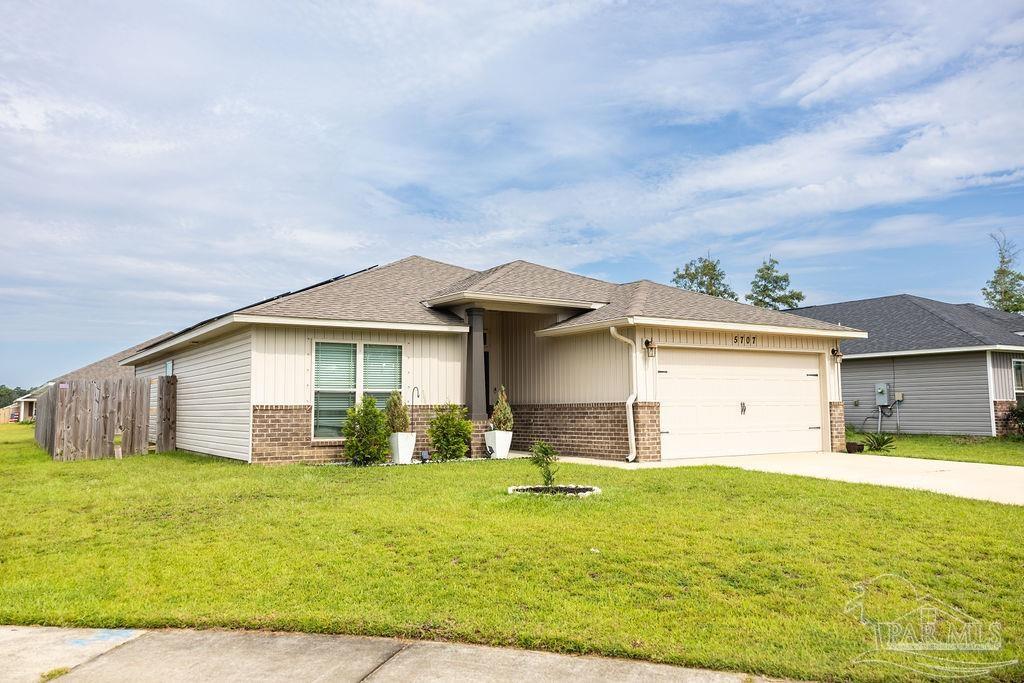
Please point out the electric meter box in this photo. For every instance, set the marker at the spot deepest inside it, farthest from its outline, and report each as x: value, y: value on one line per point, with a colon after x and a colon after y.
x: 882, y: 392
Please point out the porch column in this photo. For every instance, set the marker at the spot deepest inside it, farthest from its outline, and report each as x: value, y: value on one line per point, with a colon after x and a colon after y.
x: 476, y: 392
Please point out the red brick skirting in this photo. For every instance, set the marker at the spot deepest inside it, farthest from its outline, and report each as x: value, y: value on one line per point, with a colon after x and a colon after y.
x: 837, y: 426
x: 1005, y: 426
x: 590, y: 430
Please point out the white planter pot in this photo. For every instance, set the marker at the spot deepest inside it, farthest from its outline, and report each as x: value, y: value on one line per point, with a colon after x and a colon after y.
x: 498, y: 443
x: 402, y: 446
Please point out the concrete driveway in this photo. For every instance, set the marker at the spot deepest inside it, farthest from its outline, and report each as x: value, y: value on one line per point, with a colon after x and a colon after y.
x: 999, y: 483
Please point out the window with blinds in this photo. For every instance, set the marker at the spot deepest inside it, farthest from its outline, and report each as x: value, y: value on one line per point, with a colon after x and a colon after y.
x: 334, y: 387
x: 1018, y: 376
x: 382, y: 371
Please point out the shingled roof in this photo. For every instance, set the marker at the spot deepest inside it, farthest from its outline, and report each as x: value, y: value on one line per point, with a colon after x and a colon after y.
x: 529, y: 280
x: 904, y: 322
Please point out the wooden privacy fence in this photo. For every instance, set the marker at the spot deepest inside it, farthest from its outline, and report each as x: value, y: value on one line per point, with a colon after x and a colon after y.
x: 80, y: 420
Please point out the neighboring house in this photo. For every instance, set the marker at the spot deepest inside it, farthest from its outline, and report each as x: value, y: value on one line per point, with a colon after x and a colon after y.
x: 106, y: 368
x: 960, y: 367
x: 700, y: 376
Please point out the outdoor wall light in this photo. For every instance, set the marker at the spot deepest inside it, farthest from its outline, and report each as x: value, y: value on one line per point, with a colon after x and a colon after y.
x: 651, y: 346
x: 837, y: 354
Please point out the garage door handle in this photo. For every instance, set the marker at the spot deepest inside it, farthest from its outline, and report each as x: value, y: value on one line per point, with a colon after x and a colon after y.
x: 814, y: 427
x: 664, y: 431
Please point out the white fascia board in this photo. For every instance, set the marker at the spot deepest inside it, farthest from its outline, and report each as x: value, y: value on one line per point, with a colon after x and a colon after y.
x: 707, y: 325
x: 239, y: 319
x: 461, y: 297
x: 929, y: 352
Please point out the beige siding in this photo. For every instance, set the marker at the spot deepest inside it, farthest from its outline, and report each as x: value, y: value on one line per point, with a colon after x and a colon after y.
x: 283, y: 361
x: 575, y: 369
x: 214, y: 411
x: 647, y: 376
x: 1002, y: 375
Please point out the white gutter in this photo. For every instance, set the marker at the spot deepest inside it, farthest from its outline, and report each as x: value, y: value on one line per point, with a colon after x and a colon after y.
x: 928, y: 352
x: 631, y: 399
x: 703, y: 325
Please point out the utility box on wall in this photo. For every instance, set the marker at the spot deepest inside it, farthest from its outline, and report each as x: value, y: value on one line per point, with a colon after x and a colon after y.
x: 882, y: 392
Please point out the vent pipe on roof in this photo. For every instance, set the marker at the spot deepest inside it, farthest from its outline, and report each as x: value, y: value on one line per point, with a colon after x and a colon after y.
x: 631, y: 399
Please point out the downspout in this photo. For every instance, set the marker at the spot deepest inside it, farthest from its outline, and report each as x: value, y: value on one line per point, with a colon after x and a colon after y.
x: 631, y: 399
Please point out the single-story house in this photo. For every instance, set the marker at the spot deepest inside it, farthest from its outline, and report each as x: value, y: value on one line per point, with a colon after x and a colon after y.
x: 638, y: 370
x: 959, y: 368
x: 105, y: 368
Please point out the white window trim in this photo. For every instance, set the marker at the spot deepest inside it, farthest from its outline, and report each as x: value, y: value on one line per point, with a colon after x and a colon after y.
x: 359, y: 379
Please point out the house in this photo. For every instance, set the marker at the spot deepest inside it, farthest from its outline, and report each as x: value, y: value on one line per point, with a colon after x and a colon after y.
x: 105, y: 368
x: 639, y: 370
x: 958, y: 367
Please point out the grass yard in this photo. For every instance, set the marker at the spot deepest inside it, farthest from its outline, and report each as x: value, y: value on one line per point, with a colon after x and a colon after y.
x: 986, y: 449
x: 708, y: 566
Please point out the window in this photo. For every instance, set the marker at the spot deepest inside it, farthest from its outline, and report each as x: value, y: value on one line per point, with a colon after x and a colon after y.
x: 1018, y: 375
x: 169, y: 368
x: 334, y: 387
x: 382, y: 371
x: 337, y: 386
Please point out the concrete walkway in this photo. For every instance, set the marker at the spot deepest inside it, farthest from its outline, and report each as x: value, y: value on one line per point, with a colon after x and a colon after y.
x: 999, y: 483
x: 95, y: 655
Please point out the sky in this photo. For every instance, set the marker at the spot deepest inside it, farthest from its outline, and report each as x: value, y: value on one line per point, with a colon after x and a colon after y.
x: 161, y: 163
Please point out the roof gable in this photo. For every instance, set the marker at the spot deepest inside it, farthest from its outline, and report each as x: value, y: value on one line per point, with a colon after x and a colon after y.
x: 529, y: 280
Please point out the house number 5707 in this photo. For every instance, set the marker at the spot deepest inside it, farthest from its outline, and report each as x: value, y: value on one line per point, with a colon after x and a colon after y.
x: 745, y: 340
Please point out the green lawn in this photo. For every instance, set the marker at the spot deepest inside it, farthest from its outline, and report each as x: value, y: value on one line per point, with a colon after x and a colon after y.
x: 709, y: 566
x: 996, y: 451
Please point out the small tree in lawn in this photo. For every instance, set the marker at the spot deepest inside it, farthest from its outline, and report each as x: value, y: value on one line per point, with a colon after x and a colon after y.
x: 704, y: 275
x: 544, y: 457
x: 1005, y: 290
x: 366, y: 433
x: 397, y: 413
x: 450, y: 432
x: 502, y: 418
x: 770, y: 288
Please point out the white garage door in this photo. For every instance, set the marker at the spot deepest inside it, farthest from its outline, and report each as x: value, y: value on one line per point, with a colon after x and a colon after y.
x: 716, y: 403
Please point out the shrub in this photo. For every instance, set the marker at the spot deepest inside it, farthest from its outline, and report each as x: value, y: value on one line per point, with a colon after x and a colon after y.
x: 397, y: 412
x: 544, y: 456
x: 450, y: 432
x: 1017, y: 417
x: 366, y: 433
x: 502, y: 416
x: 879, y: 443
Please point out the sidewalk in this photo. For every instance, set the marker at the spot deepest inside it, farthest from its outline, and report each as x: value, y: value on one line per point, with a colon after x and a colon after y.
x: 29, y: 652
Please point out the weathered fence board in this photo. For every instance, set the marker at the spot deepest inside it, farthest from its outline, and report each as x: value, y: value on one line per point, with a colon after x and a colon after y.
x: 81, y: 420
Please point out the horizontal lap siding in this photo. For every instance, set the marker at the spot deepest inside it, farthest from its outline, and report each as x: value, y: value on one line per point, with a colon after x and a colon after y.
x: 283, y: 361
x: 945, y: 393
x: 214, y: 387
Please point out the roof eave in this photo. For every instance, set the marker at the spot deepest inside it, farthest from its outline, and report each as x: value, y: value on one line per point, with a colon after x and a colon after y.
x: 456, y: 298
x: 707, y: 325
x: 929, y: 352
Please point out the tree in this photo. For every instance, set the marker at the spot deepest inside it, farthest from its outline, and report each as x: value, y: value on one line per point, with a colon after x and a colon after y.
x: 770, y: 288
x: 9, y: 395
x: 1005, y: 290
x: 705, y: 275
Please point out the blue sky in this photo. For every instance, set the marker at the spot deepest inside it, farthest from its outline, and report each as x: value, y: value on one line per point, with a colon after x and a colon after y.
x: 162, y: 164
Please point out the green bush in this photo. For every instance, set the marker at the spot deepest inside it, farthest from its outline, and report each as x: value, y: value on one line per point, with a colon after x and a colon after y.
x: 544, y: 456
x: 397, y: 412
x: 502, y: 416
x: 1017, y: 417
x: 366, y: 434
x: 879, y: 443
x: 450, y: 432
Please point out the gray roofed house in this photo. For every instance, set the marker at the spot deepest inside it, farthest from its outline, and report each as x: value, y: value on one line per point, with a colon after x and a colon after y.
x: 958, y: 367
x: 596, y: 368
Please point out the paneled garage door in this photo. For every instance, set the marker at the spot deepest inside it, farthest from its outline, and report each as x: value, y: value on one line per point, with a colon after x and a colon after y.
x: 716, y: 403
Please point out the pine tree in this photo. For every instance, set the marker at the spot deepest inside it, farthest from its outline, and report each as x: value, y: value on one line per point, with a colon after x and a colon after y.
x: 1005, y: 290
x: 705, y: 275
x: 770, y: 288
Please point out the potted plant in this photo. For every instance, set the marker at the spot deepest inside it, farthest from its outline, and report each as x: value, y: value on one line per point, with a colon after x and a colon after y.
x: 499, y: 437
x: 403, y: 441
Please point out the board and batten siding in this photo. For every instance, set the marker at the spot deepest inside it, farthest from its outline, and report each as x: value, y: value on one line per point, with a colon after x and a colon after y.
x: 214, y: 386
x: 282, y: 365
x: 944, y: 393
x: 1002, y: 375
x: 581, y: 368
x: 647, y: 373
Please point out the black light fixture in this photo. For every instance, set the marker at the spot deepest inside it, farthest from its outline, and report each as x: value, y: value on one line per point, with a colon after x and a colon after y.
x: 837, y: 354
x: 651, y: 346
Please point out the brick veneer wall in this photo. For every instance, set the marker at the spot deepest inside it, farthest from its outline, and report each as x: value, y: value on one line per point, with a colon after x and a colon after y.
x: 837, y: 426
x: 1004, y: 424
x: 592, y: 430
